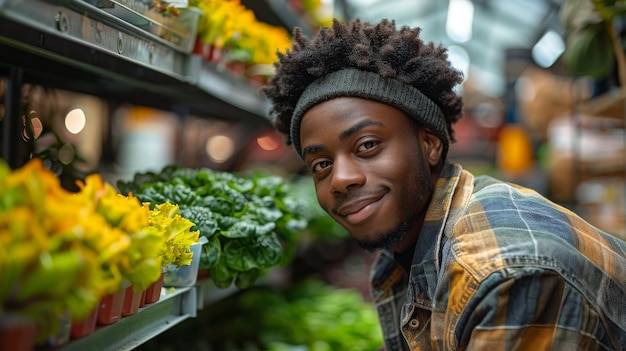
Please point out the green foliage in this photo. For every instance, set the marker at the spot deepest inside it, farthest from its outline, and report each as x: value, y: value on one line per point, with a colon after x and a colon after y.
x: 251, y: 222
x: 320, y: 224
x: 590, y: 52
x: 317, y: 317
x: 589, y: 45
x: 308, y: 316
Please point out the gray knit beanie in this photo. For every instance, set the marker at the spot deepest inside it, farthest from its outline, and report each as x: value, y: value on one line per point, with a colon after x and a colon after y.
x: 371, y: 86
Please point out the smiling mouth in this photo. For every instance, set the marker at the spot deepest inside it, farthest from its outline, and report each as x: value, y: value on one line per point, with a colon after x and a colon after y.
x: 358, y: 210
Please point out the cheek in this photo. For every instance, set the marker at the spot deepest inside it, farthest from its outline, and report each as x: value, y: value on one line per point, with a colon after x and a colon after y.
x: 322, y: 196
x: 398, y: 166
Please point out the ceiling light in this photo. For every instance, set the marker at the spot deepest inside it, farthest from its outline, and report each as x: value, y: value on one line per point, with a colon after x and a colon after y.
x: 267, y: 143
x: 548, y: 49
x: 75, y: 121
x: 220, y: 148
x: 460, y: 19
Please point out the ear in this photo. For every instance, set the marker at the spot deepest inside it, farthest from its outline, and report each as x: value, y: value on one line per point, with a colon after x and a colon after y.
x: 432, y: 146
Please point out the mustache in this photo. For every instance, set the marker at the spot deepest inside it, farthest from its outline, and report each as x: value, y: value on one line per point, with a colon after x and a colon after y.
x: 353, y: 196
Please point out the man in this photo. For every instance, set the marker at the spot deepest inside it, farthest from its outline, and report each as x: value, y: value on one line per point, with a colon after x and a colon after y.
x: 466, y: 263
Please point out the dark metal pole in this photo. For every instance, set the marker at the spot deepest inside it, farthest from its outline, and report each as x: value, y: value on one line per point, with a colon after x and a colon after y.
x: 12, y: 124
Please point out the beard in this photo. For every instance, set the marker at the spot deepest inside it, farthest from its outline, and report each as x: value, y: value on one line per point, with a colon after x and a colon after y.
x: 386, y: 239
x: 416, y: 207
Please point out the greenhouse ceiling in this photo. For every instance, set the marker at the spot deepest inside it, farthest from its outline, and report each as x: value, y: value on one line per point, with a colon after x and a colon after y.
x: 478, y: 32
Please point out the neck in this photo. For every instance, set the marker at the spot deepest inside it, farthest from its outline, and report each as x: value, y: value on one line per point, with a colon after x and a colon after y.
x: 405, y: 258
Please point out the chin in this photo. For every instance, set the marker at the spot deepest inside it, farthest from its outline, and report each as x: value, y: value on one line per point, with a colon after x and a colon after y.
x: 385, y: 239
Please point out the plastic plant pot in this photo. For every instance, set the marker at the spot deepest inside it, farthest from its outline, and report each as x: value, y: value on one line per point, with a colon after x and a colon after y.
x: 185, y: 276
x: 17, y: 333
x: 153, y: 292
x: 132, y: 301
x: 143, y: 295
x: 86, y: 326
x: 110, y: 308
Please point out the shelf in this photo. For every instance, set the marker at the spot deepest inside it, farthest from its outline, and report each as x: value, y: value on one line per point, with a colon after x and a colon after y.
x: 131, y: 331
x: 72, y: 45
x: 610, y: 104
x: 278, y: 13
x: 76, y: 46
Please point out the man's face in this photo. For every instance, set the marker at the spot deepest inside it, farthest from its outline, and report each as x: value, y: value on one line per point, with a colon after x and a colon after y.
x: 371, y: 169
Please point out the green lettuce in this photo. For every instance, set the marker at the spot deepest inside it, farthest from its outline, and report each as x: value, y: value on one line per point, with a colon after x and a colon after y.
x: 252, y: 222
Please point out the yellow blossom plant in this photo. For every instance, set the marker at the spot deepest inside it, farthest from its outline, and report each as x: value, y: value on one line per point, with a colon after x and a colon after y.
x: 62, y: 252
x: 139, y: 264
x: 231, y: 27
x: 46, y: 260
x: 176, y: 230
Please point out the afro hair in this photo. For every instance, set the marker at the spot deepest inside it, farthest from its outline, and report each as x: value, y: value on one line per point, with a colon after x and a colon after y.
x: 381, y: 48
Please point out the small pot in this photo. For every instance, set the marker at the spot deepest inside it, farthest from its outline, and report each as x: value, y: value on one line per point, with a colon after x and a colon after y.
x: 17, y: 333
x: 110, y: 308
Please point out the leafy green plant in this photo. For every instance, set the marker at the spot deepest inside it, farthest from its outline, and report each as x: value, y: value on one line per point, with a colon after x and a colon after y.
x: 320, y: 224
x: 307, y: 316
x: 592, y: 43
x: 317, y: 317
x: 251, y: 222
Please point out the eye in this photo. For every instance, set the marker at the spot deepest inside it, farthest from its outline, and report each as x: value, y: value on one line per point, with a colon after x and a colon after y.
x: 320, y: 166
x: 367, y: 145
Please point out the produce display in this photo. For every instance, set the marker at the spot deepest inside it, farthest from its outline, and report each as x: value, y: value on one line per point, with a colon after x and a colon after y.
x: 251, y: 222
x: 61, y: 252
x: 306, y: 316
x: 233, y: 29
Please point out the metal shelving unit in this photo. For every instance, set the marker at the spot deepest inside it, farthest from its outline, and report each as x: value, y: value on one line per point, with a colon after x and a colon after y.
x: 82, y: 46
x: 151, y: 320
x: 77, y: 46
x: 174, y: 306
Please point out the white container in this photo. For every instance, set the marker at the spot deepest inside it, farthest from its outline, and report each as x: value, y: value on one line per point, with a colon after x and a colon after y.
x: 185, y: 276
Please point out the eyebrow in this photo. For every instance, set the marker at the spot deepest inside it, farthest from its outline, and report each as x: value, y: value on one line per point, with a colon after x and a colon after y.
x: 345, y: 134
x: 312, y: 148
x: 355, y: 128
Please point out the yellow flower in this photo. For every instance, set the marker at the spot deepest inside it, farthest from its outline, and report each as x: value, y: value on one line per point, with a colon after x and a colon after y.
x: 177, y: 234
x: 231, y: 26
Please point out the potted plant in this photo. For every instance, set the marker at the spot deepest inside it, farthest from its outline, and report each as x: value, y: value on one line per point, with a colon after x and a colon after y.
x: 593, y: 42
x: 54, y: 256
x: 176, y: 248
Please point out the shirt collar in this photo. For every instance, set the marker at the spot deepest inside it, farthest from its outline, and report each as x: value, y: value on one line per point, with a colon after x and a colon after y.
x: 425, y: 264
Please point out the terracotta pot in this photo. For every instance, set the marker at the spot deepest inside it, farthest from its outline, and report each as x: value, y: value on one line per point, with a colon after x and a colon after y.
x: 257, y: 80
x: 212, y: 53
x: 236, y: 68
x: 132, y: 301
x: 86, y: 326
x: 203, y: 274
x: 143, y: 298
x: 153, y: 293
x: 110, y: 308
x: 197, y: 46
x: 17, y: 333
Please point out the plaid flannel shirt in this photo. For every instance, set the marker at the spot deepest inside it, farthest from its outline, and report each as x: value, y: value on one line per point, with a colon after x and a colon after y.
x: 499, y: 267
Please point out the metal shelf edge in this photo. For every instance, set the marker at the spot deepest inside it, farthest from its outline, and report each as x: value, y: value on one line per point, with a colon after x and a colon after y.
x: 174, y: 306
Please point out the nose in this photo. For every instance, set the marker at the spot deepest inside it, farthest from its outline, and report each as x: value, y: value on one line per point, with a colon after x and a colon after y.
x: 346, y: 174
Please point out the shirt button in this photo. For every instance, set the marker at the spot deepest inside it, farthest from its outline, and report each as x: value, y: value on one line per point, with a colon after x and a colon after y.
x: 414, y: 323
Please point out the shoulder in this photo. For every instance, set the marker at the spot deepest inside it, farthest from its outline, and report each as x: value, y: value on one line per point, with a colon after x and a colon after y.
x: 505, y: 226
x: 509, y: 239
x: 531, y: 305
x: 504, y: 220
